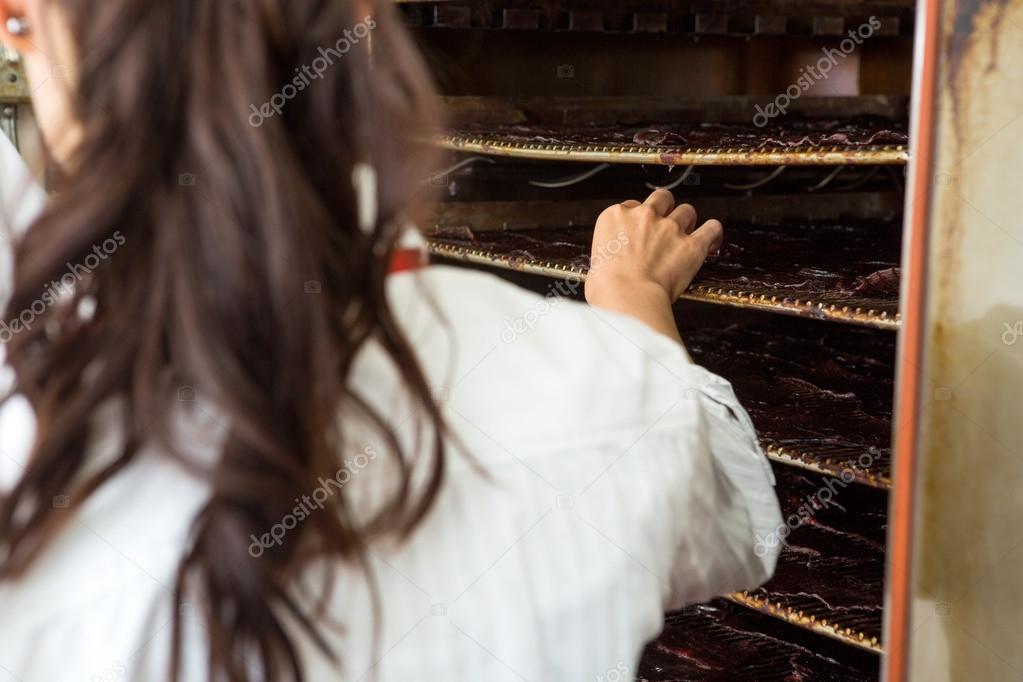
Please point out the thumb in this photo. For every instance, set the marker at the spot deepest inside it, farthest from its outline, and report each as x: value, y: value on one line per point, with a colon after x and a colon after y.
x: 709, y: 236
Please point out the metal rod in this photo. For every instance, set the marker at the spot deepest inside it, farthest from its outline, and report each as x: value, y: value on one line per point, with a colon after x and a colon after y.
x: 635, y: 154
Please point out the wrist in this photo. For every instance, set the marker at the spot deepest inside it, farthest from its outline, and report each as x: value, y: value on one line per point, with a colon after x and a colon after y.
x: 614, y: 290
x: 641, y: 299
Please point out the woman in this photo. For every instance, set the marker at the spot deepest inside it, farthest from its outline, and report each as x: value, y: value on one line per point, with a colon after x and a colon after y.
x: 237, y: 447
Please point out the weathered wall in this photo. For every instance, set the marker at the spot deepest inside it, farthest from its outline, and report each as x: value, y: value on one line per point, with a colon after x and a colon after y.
x: 967, y: 615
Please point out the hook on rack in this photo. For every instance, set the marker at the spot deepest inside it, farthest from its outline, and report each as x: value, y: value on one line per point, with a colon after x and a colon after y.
x: 759, y: 183
x: 570, y: 180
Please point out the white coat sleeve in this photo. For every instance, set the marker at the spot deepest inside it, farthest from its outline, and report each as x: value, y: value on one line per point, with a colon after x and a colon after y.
x: 730, y: 508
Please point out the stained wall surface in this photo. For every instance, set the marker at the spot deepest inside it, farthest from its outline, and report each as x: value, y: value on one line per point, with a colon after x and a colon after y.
x: 967, y: 583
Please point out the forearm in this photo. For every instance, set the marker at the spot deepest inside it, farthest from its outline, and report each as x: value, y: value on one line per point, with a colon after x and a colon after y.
x: 644, y: 301
x: 659, y: 251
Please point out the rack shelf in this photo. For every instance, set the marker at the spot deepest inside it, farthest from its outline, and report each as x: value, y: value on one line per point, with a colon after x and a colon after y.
x: 830, y: 574
x: 720, y: 641
x: 820, y: 400
x: 593, y: 151
x: 672, y: 131
x: 838, y: 276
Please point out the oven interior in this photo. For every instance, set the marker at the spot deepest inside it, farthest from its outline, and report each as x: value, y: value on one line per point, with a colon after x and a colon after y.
x: 787, y: 121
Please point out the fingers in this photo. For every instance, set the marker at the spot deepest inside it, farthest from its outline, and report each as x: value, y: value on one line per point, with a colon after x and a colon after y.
x: 709, y: 236
x: 685, y: 216
x: 662, y: 201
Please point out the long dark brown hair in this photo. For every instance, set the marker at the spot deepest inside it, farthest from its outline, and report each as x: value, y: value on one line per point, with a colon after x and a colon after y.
x: 214, y: 182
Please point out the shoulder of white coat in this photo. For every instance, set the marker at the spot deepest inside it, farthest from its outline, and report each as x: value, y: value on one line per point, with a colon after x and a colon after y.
x: 481, y: 312
x: 512, y: 349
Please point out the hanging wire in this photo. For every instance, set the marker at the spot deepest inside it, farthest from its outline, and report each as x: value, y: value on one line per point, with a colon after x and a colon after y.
x: 861, y: 181
x: 571, y: 180
x: 895, y: 177
x: 759, y: 183
x: 827, y: 180
x: 439, y: 175
x: 681, y: 179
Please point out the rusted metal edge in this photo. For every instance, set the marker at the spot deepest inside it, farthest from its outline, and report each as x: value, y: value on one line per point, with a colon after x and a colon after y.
x: 740, y: 299
x: 635, y: 154
x: 910, y: 374
x: 812, y: 623
x: 794, y: 306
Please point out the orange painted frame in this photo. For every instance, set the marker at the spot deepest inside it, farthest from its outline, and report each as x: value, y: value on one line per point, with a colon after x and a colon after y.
x: 907, y: 431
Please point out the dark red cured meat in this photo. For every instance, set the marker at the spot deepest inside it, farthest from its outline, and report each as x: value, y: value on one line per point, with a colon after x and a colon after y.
x: 655, y: 137
x: 831, y: 263
x: 824, y: 393
x: 791, y: 135
x: 721, y: 642
x: 879, y: 283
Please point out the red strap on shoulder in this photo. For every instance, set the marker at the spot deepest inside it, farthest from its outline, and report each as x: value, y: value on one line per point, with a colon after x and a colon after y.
x: 403, y: 259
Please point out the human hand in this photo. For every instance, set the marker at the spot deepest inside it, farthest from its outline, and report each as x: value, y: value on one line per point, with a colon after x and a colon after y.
x: 659, y: 250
